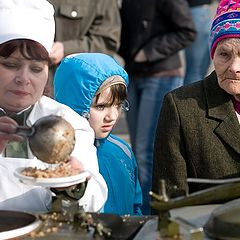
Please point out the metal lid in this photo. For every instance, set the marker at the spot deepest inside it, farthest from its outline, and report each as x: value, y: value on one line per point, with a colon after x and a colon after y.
x: 15, y: 224
x: 224, y: 221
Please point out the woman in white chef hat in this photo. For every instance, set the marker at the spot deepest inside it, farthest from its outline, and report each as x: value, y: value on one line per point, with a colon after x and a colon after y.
x: 26, y: 36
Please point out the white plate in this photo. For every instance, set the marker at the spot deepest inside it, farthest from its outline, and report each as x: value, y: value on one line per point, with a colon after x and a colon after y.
x: 51, y: 182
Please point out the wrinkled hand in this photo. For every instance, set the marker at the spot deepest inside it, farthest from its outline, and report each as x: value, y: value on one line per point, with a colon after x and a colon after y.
x: 140, y: 57
x: 57, y: 53
x: 7, y: 132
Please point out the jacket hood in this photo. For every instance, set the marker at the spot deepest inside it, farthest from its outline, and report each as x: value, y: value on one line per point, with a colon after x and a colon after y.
x: 79, y: 76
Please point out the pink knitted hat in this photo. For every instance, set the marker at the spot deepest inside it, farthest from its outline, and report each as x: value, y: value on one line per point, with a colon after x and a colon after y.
x: 226, y: 23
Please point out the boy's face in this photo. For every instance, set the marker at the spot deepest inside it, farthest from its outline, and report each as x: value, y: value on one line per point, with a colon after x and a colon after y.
x: 102, y: 116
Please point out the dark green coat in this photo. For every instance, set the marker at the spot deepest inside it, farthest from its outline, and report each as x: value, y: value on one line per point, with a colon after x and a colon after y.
x: 198, y: 135
x: 86, y: 26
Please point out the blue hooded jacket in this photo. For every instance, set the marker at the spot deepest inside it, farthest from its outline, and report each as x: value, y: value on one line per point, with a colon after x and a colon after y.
x: 76, y: 81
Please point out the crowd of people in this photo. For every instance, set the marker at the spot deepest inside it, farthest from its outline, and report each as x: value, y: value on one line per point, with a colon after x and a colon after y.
x: 62, y: 58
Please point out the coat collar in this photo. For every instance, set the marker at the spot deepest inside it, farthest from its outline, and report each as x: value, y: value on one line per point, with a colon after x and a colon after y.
x: 220, y: 108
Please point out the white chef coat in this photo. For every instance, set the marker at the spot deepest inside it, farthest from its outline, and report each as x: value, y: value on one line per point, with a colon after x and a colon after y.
x: 15, y: 195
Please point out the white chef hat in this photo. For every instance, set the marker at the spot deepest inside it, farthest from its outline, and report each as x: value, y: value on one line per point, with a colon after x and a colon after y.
x: 28, y: 19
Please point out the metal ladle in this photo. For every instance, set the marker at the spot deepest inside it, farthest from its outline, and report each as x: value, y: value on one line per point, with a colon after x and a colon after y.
x: 51, y: 138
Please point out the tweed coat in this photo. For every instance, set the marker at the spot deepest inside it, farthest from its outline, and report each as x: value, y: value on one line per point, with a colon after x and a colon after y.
x: 198, y: 135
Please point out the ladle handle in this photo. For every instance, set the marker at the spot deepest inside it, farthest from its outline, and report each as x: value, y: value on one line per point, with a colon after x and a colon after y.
x: 25, y: 131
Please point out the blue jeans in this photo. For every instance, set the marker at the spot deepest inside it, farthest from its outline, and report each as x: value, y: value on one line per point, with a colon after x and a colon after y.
x: 145, y: 96
x: 197, y: 56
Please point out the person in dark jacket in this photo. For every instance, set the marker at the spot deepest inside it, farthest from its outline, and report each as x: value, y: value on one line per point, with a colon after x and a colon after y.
x: 198, y: 129
x: 153, y: 33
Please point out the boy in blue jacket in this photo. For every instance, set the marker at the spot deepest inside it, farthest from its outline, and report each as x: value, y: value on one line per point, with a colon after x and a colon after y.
x: 95, y: 86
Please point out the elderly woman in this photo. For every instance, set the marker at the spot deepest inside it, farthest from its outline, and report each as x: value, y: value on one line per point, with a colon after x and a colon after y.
x: 198, y: 129
x: 25, y: 42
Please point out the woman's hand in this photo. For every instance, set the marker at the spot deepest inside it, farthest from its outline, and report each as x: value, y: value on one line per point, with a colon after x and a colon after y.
x: 75, y: 191
x: 7, y: 132
x: 57, y: 53
x: 76, y: 164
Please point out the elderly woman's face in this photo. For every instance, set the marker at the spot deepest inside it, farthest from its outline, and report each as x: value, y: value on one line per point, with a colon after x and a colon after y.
x: 226, y: 61
x: 22, y: 81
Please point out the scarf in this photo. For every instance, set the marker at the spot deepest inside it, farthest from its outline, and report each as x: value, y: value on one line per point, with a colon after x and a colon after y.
x: 236, y: 105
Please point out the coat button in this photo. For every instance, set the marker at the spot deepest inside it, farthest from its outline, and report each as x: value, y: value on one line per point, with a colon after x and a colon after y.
x: 74, y: 13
